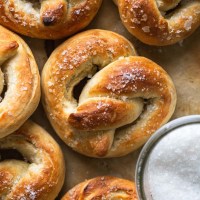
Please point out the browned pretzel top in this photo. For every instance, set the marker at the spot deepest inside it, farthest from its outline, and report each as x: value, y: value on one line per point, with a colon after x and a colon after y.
x: 109, y: 188
x: 126, y: 101
x: 160, y: 22
x: 47, y: 19
x: 40, y: 175
x: 19, y: 72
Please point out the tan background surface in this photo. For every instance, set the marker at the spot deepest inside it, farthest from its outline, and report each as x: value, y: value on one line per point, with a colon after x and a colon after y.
x: 181, y: 61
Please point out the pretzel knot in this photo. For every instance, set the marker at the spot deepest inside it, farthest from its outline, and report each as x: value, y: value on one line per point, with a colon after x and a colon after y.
x: 119, y: 108
x: 47, y: 19
x: 103, y: 188
x: 160, y: 22
x: 19, y: 72
x: 41, y: 174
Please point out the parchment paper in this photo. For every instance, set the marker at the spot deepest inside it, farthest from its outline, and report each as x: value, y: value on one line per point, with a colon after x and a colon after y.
x: 181, y: 61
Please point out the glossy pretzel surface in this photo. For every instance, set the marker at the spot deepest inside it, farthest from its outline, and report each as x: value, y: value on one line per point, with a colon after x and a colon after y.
x: 19, y: 82
x: 47, y: 19
x: 41, y: 175
x: 125, y: 102
x: 160, y: 22
x: 103, y: 188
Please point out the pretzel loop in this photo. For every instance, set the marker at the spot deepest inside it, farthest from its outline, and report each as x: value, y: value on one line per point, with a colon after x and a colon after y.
x: 41, y: 175
x: 126, y: 101
x: 160, y: 22
x: 19, y: 72
x: 48, y: 19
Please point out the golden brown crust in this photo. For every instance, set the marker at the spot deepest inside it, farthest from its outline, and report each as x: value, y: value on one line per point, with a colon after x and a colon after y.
x: 19, y: 71
x: 119, y: 108
x: 149, y: 21
x: 103, y: 113
x: 103, y: 188
x: 42, y: 176
x: 48, y: 19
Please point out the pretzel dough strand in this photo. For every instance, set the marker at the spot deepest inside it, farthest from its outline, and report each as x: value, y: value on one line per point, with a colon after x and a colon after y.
x: 149, y: 24
x: 22, y: 79
x: 7, y: 50
x: 42, y: 177
x: 110, y: 118
x: 150, y: 82
x: 48, y: 19
x: 103, y: 188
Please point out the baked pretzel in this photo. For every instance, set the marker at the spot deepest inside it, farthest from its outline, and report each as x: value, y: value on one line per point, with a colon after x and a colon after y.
x: 19, y: 71
x: 41, y: 176
x: 119, y: 108
x: 103, y: 188
x: 47, y: 19
x: 160, y: 22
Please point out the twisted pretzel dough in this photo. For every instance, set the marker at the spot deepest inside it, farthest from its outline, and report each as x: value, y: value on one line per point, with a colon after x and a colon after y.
x: 160, y: 22
x: 119, y: 108
x: 42, y: 176
x: 103, y: 188
x: 20, y: 74
x: 47, y: 19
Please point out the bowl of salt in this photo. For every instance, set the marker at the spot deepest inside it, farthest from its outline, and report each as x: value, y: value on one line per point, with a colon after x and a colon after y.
x: 168, y: 167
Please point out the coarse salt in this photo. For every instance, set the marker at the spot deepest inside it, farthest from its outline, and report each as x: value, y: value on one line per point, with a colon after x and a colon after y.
x: 172, y: 170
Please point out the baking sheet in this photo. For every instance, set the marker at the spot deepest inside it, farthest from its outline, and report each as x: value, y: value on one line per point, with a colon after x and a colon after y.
x: 181, y: 61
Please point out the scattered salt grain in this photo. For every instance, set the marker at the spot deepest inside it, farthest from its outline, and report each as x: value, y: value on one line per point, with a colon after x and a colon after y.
x: 32, y: 193
x: 50, y: 83
x: 146, y: 29
x: 188, y: 23
x: 24, y: 88
x: 144, y: 17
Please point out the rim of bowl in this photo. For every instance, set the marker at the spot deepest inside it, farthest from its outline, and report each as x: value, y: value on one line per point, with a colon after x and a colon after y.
x: 164, y: 130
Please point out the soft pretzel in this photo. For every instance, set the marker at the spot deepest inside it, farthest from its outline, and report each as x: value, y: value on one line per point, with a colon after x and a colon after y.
x: 42, y: 175
x: 119, y: 108
x: 103, y: 188
x: 160, y: 22
x: 47, y: 19
x: 19, y: 71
